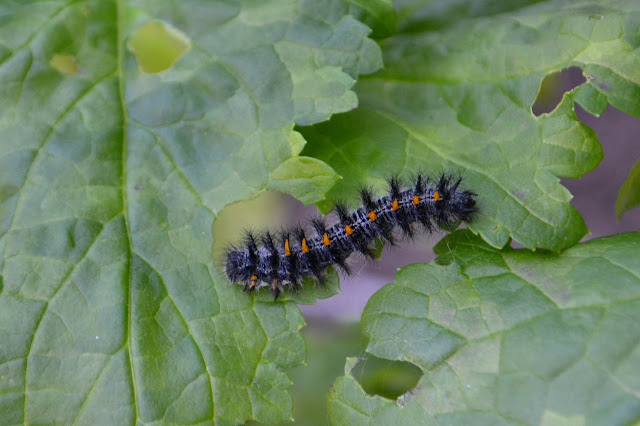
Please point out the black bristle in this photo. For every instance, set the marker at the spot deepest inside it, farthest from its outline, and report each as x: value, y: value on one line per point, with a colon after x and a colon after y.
x: 454, y: 187
x: 394, y: 187
x: 342, y: 264
x: 319, y: 225
x: 366, y: 196
x: 420, y: 184
x: 344, y: 215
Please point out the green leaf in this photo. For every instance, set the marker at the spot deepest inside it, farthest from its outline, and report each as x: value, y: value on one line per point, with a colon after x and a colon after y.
x: 629, y: 195
x: 377, y: 14
x: 611, y: 65
x: 456, y: 95
x: 111, y: 310
x: 507, y: 337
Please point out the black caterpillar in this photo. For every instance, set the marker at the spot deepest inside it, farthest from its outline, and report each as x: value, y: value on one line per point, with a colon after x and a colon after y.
x: 291, y: 255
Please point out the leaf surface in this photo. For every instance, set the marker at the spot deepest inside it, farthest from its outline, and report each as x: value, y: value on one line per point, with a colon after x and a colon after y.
x: 507, y: 337
x: 111, y: 310
x: 456, y: 94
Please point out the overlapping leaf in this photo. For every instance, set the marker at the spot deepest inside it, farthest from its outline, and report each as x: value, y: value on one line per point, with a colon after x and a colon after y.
x: 456, y: 95
x: 507, y: 337
x: 629, y: 195
x: 110, y: 308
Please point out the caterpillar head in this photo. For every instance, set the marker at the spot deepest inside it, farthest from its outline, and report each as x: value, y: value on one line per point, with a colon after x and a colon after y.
x: 238, y: 266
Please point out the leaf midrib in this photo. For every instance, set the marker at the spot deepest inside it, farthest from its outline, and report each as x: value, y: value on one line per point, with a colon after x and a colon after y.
x: 125, y: 205
x: 120, y: 39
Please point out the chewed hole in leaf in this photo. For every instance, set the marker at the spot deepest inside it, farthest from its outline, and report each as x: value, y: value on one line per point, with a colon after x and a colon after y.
x: 267, y: 210
x: 157, y: 46
x: 64, y: 64
x: 386, y: 378
x: 554, y: 86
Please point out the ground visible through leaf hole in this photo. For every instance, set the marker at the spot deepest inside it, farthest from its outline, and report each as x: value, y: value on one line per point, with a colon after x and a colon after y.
x: 388, y: 379
x: 554, y: 86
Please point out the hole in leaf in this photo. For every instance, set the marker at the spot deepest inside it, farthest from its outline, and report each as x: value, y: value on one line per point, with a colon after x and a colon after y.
x: 554, y: 86
x: 267, y: 211
x: 65, y: 64
x: 386, y: 378
x: 157, y: 46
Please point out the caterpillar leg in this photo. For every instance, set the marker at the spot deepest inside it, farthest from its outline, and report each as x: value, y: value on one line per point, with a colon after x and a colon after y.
x: 251, y: 284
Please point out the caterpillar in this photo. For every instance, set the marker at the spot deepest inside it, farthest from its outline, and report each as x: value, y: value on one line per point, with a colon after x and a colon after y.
x: 276, y: 260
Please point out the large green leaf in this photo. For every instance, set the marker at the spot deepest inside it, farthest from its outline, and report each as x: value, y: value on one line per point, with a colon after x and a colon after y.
x: 111, y: 310
x: 507, y: 337
x: 456, y: 94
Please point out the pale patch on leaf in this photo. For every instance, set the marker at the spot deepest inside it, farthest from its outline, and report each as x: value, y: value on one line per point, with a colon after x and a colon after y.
x: 65, y: 64
x: 158, y: 45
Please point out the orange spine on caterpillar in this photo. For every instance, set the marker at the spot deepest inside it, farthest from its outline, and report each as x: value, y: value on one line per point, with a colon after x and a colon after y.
x: 261, y: 262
